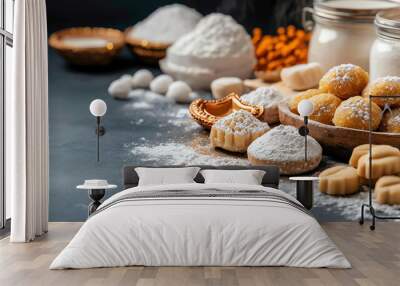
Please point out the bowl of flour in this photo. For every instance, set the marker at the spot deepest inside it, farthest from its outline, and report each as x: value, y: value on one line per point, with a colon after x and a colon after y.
x: 150, y: 38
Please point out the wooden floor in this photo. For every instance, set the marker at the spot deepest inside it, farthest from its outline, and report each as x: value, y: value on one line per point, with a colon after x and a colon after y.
x: 375, y: 257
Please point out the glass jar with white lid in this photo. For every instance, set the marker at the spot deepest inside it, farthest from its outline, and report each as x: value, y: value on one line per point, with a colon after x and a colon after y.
x: 385, y: 52
x: 342, y: 31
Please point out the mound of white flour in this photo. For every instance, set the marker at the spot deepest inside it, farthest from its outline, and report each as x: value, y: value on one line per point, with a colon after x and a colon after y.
x: 217, y: 47
x: 167, y: 24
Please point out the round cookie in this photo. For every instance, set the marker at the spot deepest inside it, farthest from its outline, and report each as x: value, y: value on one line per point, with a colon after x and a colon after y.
x: 236, y: 131
x: 283, y: 146
x: 387, y: 190
x: 325, y: 105
x: 391, y: 121
x: 295, y: 99
x: 354, y: 113
x: 384, y: 86
x: 344, y: 81
x: 339, y: 180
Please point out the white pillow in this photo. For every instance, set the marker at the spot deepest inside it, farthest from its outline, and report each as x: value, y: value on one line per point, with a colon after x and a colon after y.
x: 248, y: 177
x: 166, y: 176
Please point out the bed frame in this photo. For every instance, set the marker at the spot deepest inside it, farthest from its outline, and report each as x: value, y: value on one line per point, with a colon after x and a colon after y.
x: 271, y: 177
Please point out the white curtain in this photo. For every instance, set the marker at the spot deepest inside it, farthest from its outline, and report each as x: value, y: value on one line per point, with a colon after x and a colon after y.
x: 27, y: 123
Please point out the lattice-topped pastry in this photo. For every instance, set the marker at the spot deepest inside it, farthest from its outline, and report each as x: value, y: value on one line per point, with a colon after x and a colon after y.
x: 236, y: 131
x: 354, y: 113
x: 384, y: 86
x: 344, y: 81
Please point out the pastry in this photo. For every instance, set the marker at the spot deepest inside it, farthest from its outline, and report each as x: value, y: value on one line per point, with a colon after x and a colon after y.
x: 268, y: 98
x: 295, y: 99
x: 325, y: 105
x: 387, y: 190
x: 339, y: 180
x: 161, y: 83
x: 385, y: 161
x: 344, y: 81
x: 384, y: 86
x: 354, y: 113
x: 391, y: 121
x: 179, y: 91
x: 223, y: 86
x: 302, y: 77
x: 236, y: 131
x: 284, y: 147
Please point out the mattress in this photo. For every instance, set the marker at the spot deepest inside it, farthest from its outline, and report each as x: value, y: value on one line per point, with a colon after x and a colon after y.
x: 201, y: 225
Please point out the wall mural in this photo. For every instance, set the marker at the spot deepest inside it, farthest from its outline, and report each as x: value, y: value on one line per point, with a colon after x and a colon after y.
x: 152, y: 119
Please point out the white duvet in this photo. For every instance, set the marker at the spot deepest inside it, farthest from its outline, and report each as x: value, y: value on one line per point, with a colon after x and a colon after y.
x: 200, y: 231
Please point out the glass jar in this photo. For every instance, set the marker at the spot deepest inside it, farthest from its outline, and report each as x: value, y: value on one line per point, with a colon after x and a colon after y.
x: 342, y: 31
x: 385, y: 52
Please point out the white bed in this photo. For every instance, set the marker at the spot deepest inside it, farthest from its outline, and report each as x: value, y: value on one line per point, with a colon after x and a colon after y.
x: 267, y: 229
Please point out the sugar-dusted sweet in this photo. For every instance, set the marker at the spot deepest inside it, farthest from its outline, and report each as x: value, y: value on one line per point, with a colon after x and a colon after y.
x: 339, y: 180
x: 224, y: 86
x: 387, y: 190
x: 236, y: 131
x: 384, y: 86
x: 391, y: 121
x: 344, y: 81
x: 354, y: 113
x: 325, y: 105
x: 295, y: 99
x: 385, y: 161
x: 302, y: 77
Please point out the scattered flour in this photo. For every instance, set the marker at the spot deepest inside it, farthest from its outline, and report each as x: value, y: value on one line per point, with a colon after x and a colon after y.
x: 167, y: 24
x: 241, y: 122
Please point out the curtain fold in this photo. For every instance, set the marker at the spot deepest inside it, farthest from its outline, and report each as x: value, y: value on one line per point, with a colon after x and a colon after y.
x: 27, y: 123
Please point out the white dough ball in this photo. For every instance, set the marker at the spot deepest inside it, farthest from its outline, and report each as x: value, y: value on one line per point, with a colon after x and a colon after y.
x: 179, y: 91
x: 223, y: 86
x: 120, y: 88
x: 142, y: 78
x: 126, y: 76
x: 161, y: 83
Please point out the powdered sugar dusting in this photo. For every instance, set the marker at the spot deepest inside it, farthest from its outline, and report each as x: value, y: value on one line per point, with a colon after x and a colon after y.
x: 241, y: 122
x: 264, y: 96
x: 342, y: 73
x: 359, y: 108
x: 284, y: 144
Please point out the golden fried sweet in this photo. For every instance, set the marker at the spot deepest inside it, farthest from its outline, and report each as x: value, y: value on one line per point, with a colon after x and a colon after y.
x: 339, y: 180
x: 354, y: 113
x: 391, y: 121
x: 325, y: 105
x: 344, y: 81
x: 384, y: 86
x: 387, y: 190
x: 295, y: 99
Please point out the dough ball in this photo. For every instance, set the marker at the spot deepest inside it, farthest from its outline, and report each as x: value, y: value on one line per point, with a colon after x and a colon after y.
x: 223, y: 86
x: 384, y: 86
x: 354, y: 113
x: 344, y: 81
x: 325, y: 105
x: 120, y: 88
x: 295, y: 99
x: 179, y: 91
x: 142, y: 78
x: 161, y: 83
x: 391, y: 121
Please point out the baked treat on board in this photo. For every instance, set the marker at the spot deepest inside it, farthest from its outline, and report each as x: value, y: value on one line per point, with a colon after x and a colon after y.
x: 384, y: 86
x: 302, y: 77
x: 325, y: 105
x: 236, y: 131
x: 354, y: 113
x: 344, y: 81
x: 339, y: 181
x: 283, y: 146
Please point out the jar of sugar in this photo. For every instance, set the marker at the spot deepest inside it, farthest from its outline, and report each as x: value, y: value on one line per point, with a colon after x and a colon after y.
x: 342, y: 30
x: 385, y: 52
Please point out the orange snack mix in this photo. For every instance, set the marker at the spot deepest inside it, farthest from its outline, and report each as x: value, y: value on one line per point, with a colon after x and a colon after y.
x: 289, y: 47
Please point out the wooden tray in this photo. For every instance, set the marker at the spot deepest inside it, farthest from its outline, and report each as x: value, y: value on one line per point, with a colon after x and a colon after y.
x: 339, y: 138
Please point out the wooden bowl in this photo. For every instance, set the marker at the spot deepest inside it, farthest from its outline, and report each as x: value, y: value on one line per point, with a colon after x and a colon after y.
x: 207, y: 112
x: 146, y: 51
x: 86, y: 56
x: 334, y: 137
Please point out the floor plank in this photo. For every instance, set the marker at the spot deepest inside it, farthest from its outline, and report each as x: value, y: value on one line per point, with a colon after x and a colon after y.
x: 374, y: 255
